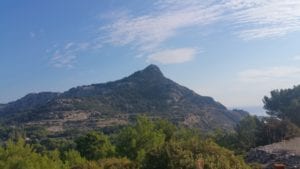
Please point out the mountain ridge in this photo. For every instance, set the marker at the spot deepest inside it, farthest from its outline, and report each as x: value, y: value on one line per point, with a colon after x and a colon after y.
x: 146, y: 91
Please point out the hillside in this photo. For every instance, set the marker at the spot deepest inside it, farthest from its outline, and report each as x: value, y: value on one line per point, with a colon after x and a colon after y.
x: 93, y: 106
x: 2, y: 106
x: 28, y: 102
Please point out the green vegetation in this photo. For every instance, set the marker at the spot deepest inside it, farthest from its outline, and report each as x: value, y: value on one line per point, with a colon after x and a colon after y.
x: 21, y: 156
x: 145, y: 145
x: 151, y: 144
x: 252, y: 132
x: 135, y: 141
x: 94, y: 146
x: 284, y: 104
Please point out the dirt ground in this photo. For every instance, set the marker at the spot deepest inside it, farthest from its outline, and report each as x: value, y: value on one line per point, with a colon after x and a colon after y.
x: 290, y: 146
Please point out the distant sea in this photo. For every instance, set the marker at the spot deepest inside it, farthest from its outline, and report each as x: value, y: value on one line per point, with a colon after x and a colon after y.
x: 253, y: 110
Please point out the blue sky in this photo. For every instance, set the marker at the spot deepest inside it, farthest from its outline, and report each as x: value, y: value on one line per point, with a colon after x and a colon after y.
x: 233, y: 50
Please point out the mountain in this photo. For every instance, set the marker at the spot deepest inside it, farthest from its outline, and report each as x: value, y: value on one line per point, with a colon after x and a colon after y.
x: 146, y: 92
x: 28, y: 102
x: 2, y: 106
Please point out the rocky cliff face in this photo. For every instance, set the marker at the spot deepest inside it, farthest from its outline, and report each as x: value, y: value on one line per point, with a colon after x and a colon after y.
x: 285, y: 152
x: 146, y: 92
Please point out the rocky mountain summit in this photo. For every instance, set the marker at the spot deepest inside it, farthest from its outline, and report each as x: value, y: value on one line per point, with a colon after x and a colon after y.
x: 146, y: 92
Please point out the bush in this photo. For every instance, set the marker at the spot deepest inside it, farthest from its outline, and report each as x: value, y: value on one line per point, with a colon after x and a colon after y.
x: 21, y: 156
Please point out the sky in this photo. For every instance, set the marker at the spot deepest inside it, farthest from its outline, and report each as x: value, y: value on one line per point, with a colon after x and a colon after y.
x: 236, y: 51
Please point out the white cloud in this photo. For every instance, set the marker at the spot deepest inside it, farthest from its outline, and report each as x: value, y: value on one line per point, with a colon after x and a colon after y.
x: 250, y: 19
x: 63, y: 59
x: 69, y: 45
x: 147, y: 32
x: 267, y: 32
x: 173, y: 56
x: 271, y: 73
x: 144, y: 33
x: 265, y: 18
x: 66, y: 55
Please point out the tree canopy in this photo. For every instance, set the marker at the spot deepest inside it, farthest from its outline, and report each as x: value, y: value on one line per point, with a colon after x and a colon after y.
x: 146, y: 144
x: 94, y: 146
x: 284, y: 104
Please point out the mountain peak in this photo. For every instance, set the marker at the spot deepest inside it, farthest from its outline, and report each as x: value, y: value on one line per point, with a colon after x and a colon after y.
x: 152, y: 70
x: 152, y: 67
x: 146, y: 91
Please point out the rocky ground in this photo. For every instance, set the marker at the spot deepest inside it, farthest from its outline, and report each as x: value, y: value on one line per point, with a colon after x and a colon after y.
x: 286, y: 152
